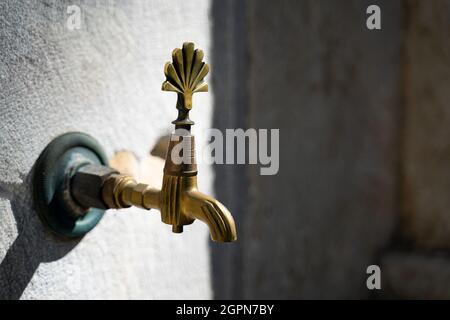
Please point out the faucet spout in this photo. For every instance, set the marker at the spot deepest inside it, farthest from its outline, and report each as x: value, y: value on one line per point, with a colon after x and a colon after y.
x: 213, y: 213
x: 181, y: 203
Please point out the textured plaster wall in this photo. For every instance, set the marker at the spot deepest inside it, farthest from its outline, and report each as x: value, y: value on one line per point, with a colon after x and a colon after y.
x: 104, y: 80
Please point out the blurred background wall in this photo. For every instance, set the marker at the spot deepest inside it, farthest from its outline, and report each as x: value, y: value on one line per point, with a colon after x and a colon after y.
x: 364, y: 121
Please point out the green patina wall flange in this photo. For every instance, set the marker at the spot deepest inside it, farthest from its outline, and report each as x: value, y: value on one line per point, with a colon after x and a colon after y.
x: 51, y: 184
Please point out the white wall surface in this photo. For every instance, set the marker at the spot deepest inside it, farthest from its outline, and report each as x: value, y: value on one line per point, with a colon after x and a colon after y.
x: 105, y: 80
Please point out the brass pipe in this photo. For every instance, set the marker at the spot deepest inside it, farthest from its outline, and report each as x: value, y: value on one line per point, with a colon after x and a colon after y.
x: 122, y: 191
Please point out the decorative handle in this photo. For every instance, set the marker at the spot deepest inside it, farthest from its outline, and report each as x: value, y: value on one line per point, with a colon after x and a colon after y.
x: 184, y: 75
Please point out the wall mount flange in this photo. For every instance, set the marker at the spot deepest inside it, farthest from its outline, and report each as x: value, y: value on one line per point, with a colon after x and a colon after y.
x: 55, y: 167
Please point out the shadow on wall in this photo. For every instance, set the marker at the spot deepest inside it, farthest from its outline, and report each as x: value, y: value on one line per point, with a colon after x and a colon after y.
x: 33, y: 245
x: 229, y: 79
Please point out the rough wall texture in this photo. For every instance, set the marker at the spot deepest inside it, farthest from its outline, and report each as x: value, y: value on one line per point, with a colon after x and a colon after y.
x: 312, y: 230
x: 104, y: 80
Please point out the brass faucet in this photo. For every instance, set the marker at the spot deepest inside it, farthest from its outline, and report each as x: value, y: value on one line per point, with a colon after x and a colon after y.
x: 178, y: 200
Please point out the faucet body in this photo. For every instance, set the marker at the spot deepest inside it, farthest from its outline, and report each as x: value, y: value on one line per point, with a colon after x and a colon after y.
x: 179, y: 200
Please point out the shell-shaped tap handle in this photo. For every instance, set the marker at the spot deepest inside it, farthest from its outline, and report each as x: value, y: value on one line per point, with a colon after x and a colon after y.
x: 184, y: 75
